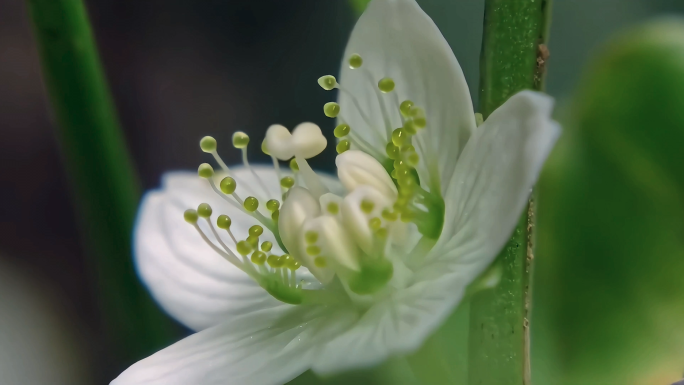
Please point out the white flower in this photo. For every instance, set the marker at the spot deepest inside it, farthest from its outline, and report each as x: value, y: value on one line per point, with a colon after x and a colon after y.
x: 385, y: 255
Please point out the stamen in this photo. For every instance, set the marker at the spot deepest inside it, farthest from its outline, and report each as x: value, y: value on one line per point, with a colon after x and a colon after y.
x: 386, y: 85
x: 240, y: 141
x: 342, y: 130
x: 343, y: 146
x: 224, y: 222
x: 331, y: 109
x: 355, y: 61
x: 191, y: 216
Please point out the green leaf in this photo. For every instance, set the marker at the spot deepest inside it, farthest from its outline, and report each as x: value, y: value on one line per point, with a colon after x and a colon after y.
x: 104, y: 184
x: 609, y: 303
x: 359, y: 6
x: 499, y: 319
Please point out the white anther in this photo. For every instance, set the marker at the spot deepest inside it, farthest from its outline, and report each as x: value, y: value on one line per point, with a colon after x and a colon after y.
x: 300, y: 206
x: 306, y: 140
x: 355, y: 220
x: 356, y: 168
x: 334, y: 242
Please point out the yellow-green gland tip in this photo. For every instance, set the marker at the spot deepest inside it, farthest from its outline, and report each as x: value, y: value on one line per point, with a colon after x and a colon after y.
x: 190, y: 216
x: 293, y: 165
x: 256, y: 230
x: 342, y: 130
x: 327, y: 82
x: 331, y: 109
x: 240, y: 139
x: 272, y: 205
x: 208, y: 144
x: 204, y: 210
x: 386, y: 85
x: 243, y: 248
x: 355, y: 61
x: 223, y: 222
x: 287, y: 182
x: 205, y: 170
x: 251, y: 204
x: 405, y: 107
x: 228, y: 185
x: 343, y: 146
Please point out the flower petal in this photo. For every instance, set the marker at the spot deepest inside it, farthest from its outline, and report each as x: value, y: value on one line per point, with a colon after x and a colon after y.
x: 492, y: 182
x: 395, y: 326
x: 271, y: 347
x: 190, y: 281
x: 486, y: 195
x: 397, y: 39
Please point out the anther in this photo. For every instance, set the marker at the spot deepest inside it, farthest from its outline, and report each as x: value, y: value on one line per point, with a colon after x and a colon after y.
x: 327, y: 82
x: 292, y: 264
x: 410, y: 127
x: 399, y: 136
x: 258, y: 258
x: 342, y: 130
x: 343, y: 146
x: 228, y: 185
x: 272, y: 205
x: 204, y: 210
x: 223, y: 222
x: 392, y: 151
x: 331, y: 109
x: 405, y: 107
x: 253, y: 242
x: 205, y: 170
x: 208, y: 144
x: 311, y: 237
x: 275, y: 261
x: 367, y: 206
x: 413, y: 159
x: 313, y: 250
x: 251, y: 204
x: 240, y: 139
x: 355, y: 61
x: 293, y: 165
x: 244, y: 248
x: 190, y: 216
x: 256, y: 230
x: 386, y: 85
x: 266, y: 246
x: 287, y: 182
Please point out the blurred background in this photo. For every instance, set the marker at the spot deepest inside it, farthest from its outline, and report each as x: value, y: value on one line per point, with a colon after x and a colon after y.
x: 180, y: 70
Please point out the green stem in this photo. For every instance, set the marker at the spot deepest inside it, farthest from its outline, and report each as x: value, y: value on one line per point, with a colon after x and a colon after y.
x: 513, y: 59
x: 104, y: 184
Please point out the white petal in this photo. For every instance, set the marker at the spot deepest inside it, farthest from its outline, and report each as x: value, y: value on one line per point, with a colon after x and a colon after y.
x: 395, y: 326
x: 396, y: 38
x: 356, y: 168
x: 493, y: 180
x: 188, y: 279
x: 269, y: 348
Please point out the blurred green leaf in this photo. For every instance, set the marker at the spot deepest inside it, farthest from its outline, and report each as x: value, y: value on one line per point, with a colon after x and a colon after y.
x: 359, y: 6
x: 104, y: 184
x: 609, y: 297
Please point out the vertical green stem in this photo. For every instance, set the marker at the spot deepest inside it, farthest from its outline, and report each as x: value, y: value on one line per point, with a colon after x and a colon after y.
x: 513, y: 59
x: 104, y: 183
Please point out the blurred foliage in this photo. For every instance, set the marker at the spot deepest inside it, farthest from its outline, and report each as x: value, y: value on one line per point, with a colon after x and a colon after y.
x: 609, y: 284
x: 359, y: 5
x: 104, y: 184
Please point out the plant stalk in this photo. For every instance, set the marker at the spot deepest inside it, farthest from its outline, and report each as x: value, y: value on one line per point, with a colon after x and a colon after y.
x: 104, y: 185
x: 513, y: 58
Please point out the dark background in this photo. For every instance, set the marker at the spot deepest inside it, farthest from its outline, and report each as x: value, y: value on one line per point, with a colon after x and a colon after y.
x: 180, y: 70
